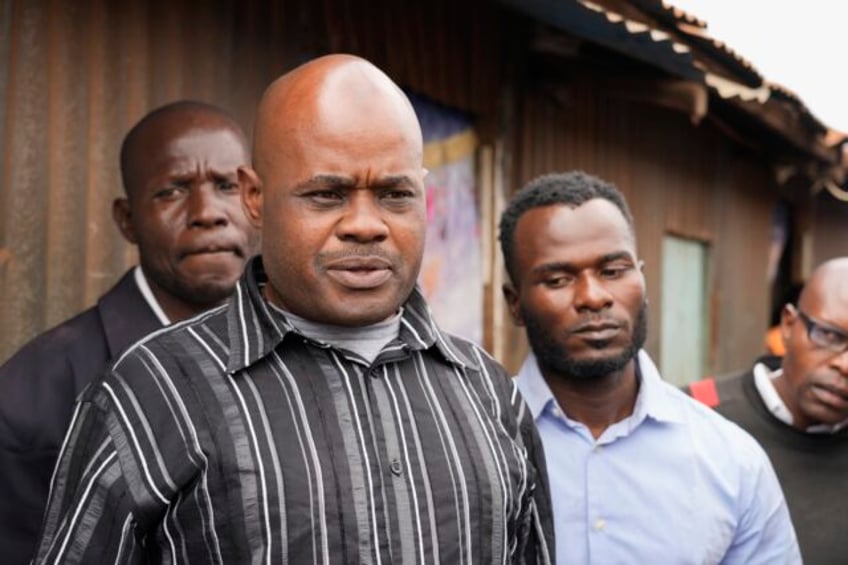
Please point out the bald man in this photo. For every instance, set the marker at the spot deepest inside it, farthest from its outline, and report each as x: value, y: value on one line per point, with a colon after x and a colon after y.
x: 183, y: 210
x: 322, y: 416
x: 799, y: 411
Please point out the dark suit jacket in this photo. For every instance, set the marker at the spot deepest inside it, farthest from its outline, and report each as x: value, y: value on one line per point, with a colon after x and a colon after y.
x: 38, y: 387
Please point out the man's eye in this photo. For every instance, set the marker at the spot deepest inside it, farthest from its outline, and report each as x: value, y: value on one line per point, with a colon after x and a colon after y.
x: 828, y: 337
x: 169, y: 192
x: 228, y: 186
x: 396, y: 194
x: 557, y: 281
x: 614, y: 272
x: 398, y: 200
x: 325, y: 196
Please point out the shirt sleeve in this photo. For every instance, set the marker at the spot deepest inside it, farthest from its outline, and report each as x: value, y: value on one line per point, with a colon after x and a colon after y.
x: 765, y: 534
x: 89, y: 515
x: 540, y: 547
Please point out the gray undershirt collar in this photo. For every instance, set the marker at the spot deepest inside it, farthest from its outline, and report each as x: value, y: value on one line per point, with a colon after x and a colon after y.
x: 365, y: 341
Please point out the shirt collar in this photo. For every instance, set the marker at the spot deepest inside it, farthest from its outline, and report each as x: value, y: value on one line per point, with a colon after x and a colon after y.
x: 764, y: 382
x: 536, y: 392
x: 149, y: 297
x: 651, y: 401
x: 255, y: 331
x: 765, y: 387
x: 655, y: 393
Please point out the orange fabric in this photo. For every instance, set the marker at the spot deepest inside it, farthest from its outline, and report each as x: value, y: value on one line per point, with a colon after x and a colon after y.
x: 774, y: 342
x: 705, y: 392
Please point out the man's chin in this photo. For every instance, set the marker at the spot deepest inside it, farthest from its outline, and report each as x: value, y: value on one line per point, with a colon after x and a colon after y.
x: 589, y: 366
x: 822, y: 413
x: 211, y: 291
x: 363, y: 313
x: 357, y: 308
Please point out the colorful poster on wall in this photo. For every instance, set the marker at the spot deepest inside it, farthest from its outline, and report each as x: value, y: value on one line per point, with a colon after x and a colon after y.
x: 452, y: 272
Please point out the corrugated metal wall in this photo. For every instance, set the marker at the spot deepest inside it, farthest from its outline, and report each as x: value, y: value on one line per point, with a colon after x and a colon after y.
x: 74, y: 76
x: 829, y: 225
x: 678, y: 179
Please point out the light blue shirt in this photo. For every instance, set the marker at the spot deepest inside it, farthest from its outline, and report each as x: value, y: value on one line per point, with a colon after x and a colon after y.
x: 673, y: 483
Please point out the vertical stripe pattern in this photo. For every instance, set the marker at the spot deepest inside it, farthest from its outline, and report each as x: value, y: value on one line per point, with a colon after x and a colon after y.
x: 231, y: 438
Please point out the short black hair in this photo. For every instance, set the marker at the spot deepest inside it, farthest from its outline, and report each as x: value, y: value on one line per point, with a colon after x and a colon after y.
x: 573, y: 188
x: 181, y: 108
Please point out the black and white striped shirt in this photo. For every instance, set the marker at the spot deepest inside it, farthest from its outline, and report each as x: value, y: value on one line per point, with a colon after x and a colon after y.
x: 231, y: 438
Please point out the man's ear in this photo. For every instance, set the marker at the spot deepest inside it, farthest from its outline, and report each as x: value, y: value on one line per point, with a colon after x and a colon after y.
x: 510, y: 294
x: 787, y: 317
x: 251, y: 195
x: 122, y: 214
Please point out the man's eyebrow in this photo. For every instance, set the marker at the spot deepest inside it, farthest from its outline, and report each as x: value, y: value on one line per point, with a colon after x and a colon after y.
x: 327, y: 181
x: 554, y: 267
x: 564, y: 266
x: 345, y: 181
x: 829, y: 326
x: 616, y: 256
x: 393, y: 181
x: 229, y: 175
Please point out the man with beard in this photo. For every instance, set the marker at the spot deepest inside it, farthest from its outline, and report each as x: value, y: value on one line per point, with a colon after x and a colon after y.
x: 640, y: 472
x: 179, y: 167
x: 321, y: 416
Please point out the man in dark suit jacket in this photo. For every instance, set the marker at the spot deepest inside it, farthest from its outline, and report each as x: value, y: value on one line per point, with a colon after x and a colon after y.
x: 183, y: 210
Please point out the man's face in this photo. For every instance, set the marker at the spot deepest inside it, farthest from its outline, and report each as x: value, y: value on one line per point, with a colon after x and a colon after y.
x: 343, y: 219
x: 185, y: 212
x: 814, y: 371
x: 580, y: 291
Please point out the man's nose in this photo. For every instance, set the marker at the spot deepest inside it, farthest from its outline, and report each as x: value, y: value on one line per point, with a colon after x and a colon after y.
x: 363, y: 219
x: 205, y: 207
x: 590, y: 294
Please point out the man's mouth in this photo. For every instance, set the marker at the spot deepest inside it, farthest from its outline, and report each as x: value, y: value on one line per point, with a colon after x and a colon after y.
x: 208, y: 250
x: 830, y: 396
x: 360, y: 273
x: 597, y: 331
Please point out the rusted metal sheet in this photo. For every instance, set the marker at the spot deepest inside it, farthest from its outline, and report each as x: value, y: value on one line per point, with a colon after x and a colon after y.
x: 74, y: 76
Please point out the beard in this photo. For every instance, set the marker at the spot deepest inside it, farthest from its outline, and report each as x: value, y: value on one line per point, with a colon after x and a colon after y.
x: 553, y: 356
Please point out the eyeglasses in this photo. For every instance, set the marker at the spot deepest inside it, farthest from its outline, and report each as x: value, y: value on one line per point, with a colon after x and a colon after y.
x: 824, y: 336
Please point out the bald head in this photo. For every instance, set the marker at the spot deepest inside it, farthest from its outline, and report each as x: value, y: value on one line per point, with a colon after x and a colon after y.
x: 340, y: 92
x: 165, y: 124
x: 827, y: 288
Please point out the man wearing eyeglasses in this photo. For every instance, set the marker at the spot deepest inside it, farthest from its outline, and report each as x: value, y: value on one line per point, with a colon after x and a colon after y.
x: 799, y: 411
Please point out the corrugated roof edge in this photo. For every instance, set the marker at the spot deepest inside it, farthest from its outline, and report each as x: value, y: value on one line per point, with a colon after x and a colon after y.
x: 696, y: 30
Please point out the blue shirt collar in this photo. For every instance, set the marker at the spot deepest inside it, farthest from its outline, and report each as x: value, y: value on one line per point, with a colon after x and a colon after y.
x: 651, y: 400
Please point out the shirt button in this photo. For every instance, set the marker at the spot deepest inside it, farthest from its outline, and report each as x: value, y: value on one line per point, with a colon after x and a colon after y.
x: 396, y: 467
x: 600, y: 524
